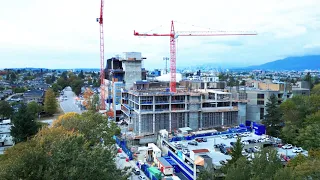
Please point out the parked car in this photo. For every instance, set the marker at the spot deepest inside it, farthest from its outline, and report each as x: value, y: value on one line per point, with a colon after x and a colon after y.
x: 198, y: 139
x: 297, y: 150
x: 229, y: 136
x: 136, y: 171
x: 142, y: 177
x: 244, y: 153
x: 224, y: 150
x: 256, y: 148
x: 287, y: 146
x: 224, y: 137
x: 194, y: 143
x: 245, y: 142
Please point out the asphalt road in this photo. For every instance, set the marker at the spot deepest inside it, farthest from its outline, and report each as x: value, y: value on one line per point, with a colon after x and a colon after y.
x: 121, y: 163
x: 69, y: 104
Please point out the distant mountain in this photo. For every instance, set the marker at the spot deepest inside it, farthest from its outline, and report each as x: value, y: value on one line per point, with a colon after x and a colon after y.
x: 291, y: 63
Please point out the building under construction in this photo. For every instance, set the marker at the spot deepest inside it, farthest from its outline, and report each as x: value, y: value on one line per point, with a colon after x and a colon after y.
x: 120, y: 73
x: 151, y: 109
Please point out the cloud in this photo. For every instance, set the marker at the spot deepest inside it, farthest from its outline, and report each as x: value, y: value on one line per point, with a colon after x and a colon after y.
x: 65, y: 33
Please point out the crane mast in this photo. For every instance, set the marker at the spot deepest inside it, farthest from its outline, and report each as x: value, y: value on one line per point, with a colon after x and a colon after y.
x: 102, y: 75
x: 173, y: 35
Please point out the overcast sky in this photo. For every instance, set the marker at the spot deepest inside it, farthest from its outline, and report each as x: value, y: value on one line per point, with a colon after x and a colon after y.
x: 65, y: 34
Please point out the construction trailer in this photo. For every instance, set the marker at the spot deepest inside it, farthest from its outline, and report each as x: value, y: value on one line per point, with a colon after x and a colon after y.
x: 164, y: 166
x: 153, y: 152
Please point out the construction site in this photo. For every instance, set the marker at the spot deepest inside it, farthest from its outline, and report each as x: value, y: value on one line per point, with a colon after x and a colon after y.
x: 151, y: 110
x: 148, y: 106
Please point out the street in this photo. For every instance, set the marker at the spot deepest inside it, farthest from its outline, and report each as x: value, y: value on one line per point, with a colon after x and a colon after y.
x: 68, y: 105
x: 122, y: 163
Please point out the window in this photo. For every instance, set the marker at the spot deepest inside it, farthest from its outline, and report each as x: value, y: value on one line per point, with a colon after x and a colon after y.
x: 260, y: 96
x: 260, y: 102
x: 261, y: 113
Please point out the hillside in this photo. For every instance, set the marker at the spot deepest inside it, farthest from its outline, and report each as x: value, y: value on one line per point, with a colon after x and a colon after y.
x: 291, y: 63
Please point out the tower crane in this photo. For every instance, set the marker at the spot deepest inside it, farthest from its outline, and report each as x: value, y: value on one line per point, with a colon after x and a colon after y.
x: 174, y: 35
x: 102, y: 85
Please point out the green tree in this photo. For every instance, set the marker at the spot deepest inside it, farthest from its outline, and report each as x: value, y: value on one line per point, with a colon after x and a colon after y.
x: 6, y: 110
x: 81, y: 75
x: 240, y: 170
x: 34, y: 108
x: 92, y: 125
x: 19, y: 90
x: 59, y: 154
x: 50, y: 102
x: 272, y: 119
x: 90, y: 81
x: 24, y: 125
x: 316, y: 90
x: 308, y: 78
x: 53, y: 78
x: 76, y: 86
x: 236, y: 151
x: 56, y: 88
x: 243, y: 83
x: 48, y: 80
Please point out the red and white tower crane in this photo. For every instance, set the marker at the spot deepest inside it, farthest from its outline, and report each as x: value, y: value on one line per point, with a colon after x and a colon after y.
x: 102, y: 85
x: 174, y: 35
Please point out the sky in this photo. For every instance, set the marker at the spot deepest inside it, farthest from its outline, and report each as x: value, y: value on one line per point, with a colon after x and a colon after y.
x: 65, y: 34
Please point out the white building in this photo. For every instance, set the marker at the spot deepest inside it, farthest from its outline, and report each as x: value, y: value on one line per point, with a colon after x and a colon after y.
x: 6, y: 139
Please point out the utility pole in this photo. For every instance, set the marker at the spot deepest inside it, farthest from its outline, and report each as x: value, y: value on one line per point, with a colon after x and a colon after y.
x: 166, y: 59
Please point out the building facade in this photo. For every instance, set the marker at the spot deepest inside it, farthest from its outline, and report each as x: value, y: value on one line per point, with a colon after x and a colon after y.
x: 149, y: 111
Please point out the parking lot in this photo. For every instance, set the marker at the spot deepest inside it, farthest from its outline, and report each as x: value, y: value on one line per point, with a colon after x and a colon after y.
x: 217, y: 156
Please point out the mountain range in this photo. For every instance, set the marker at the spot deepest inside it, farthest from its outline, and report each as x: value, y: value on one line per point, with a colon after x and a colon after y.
x: 311, y: 62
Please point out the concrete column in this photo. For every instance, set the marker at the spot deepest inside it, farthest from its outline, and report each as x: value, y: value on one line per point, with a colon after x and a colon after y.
x: 139, y: 120
x: 200, y: 125
x: 154, y: 123
x: 170, y: 113
x: 215, y: 98
x: 222, y: 119
x: 139, y: 104
x: 185, y: 102
x: 153, y: 103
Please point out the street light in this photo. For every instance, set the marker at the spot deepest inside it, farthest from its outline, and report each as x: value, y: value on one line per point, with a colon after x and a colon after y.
x: 166, y: 59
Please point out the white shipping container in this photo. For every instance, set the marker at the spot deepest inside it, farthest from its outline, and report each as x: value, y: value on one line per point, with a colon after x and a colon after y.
x: 132, y: 56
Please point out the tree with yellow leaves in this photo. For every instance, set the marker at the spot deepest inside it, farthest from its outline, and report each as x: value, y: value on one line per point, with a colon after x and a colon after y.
x: 90, y: 100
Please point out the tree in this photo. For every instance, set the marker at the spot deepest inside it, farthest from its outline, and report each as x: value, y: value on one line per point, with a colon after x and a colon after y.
x: 272, y: 119
x: 316, y: 90
x: 34, y: 108
x: 53, y: 78
x: 81, y: 75
x: 240, y: 170
x: 308, y: 78
x: 24, y: 125
x: 243, y: 83
x: 50, y: 102
x: 19, y: 90
x: 236, y: 151
x: 56, y: 88
x: 48, y: 80
x: 66, y: 151
x: 55, y: 153
x: 90, y: 81
x: 5, y: 110
x: 92, y: 125
x: 76, y: 86
x: 91, y: 100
